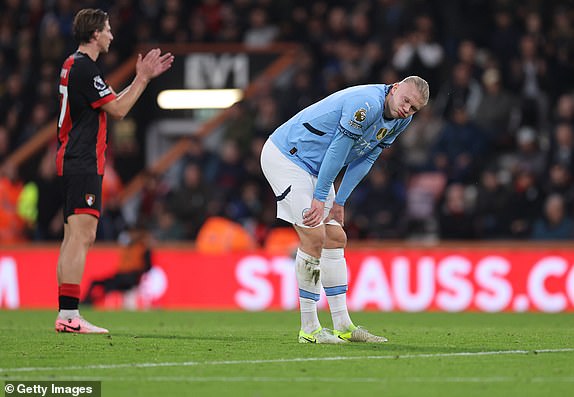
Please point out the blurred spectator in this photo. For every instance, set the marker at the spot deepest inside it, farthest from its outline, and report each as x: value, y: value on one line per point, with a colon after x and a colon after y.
x: 419, y: 53
x: 12, y: 226
x: 170, y: 30
x: 219, y: 234
x: 266, y: 117
x: 52, y: 43
x: 239, y: 126
x: 298, y: 96
x: 492, y: 200
x: 422, y: 134
x: 462, y: 90
x: 125, y: 147
x: 154, y: 191
x: 189, y: 202
x: 467, y: 54
x: 561, y: 49
x: 555, y: 224
x: 165, y: 226
x: 565, y: 109
x: 529, y: 77
x: 504, y: 39
x: 559, y: 181
x: 423, y: 192
x: 456, y: 216
x: 197, y: 153
x: 498, y: 112
x: 459, y: 147
x: 229, y: 172
x: 282, y: 241
x: 524, y: 205
x: 562, y: 146
x: 112, y: 221
x: 528, y: 155
x: 245, y: 207
x: 49, y: 224
x: 378, y: 206
x: 210, y: 13
x: 260, y: 32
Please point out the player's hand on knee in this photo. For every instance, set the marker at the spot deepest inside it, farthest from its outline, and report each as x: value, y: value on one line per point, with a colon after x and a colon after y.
x: 337, y: 213
x: 314, y: 215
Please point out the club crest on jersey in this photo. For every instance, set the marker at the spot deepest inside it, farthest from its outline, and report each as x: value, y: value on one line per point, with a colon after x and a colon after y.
x: 361, y: 115
x: 99, y: 83
x: 90, y: 199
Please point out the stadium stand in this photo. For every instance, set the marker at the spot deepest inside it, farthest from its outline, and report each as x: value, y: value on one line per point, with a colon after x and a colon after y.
x: 496, y: 140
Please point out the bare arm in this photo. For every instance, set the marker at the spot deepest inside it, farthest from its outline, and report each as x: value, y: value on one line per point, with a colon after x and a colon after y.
x: 147, y: 68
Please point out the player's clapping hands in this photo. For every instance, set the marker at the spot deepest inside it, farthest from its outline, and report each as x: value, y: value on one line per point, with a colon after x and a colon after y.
x: 153, y: 63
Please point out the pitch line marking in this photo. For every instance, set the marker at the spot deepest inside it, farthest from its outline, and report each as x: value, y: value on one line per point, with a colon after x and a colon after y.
x: 282, y: 360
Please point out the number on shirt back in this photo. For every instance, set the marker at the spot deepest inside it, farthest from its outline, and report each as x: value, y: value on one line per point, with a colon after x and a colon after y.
x: 64, y: 91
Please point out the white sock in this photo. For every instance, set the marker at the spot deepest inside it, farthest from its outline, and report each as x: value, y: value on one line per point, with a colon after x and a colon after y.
x: 308, y: 276
x: 334, y: 280
x: 68, y: 313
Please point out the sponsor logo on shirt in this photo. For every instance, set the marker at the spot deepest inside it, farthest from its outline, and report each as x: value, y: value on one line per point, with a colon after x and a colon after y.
x: 383, y: 132
x: 362, y: 146
x: 355, y: 125
x: 105, y: 92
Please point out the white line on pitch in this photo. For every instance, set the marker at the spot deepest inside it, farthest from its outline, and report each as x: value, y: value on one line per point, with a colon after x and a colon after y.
x: 281, y: 360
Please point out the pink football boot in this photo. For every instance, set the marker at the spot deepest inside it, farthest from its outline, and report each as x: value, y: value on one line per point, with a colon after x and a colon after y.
x: 78, y: 325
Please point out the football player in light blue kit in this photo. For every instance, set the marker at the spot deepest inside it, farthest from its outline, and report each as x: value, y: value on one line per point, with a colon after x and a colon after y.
x: 302, y: 158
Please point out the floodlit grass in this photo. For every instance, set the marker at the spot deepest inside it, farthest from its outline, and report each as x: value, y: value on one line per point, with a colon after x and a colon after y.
x: 256, y: 354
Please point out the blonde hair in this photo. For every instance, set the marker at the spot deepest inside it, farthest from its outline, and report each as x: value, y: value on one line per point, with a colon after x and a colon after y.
x: 421, y: 85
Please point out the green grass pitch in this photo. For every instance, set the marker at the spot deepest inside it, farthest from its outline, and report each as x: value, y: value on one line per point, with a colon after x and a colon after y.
x: 172, y: 353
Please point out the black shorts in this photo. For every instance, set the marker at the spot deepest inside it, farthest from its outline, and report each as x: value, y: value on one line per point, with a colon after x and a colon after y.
x: 82, y: 194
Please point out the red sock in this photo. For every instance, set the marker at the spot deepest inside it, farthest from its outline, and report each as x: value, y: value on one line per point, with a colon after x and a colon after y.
x: 69, y: 296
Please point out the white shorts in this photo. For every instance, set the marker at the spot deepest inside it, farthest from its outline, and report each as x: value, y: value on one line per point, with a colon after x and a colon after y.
x: 293, y: 186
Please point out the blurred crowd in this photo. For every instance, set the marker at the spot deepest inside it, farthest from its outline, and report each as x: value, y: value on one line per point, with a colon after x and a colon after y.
x: 490, y: 157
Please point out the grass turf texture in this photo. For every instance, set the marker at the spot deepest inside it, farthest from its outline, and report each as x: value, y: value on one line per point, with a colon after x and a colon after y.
x: 257, y: 354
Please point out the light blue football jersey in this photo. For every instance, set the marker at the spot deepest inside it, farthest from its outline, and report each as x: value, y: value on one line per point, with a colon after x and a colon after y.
x: 355, y: 112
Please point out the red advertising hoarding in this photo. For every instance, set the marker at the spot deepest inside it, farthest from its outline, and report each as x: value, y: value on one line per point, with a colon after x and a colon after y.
x: 439, y: 279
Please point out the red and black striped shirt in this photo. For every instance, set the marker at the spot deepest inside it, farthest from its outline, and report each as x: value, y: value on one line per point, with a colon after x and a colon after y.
x: 82, y: 131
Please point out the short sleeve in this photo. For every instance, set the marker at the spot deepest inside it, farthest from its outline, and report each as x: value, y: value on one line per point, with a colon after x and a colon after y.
x: 93, y: 86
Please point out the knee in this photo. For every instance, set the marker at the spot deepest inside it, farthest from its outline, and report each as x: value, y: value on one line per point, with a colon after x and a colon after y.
x: 87, y: 236
x: 313, y: 244
x: 317, y: 242
x: 336, y: 238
